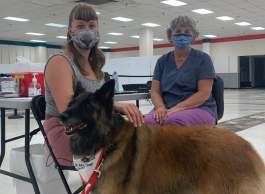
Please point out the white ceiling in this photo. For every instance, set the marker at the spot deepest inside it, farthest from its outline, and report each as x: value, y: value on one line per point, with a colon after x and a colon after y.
x: 41, y: 12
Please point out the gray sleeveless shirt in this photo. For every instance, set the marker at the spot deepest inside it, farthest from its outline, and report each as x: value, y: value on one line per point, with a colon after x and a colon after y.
x: 87, y: 84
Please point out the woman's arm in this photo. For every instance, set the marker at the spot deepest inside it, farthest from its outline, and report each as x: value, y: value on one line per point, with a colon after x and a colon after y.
x: 59, y: 78
x: 160, y: 108
x: 155, y: 95
x: 198, y: 98
x: 131, y: 111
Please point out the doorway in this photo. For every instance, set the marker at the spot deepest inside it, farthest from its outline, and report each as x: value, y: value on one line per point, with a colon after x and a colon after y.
x: 252, y: 71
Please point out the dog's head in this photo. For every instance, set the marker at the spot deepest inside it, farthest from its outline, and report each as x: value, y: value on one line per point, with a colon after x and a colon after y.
x: 88, y: 119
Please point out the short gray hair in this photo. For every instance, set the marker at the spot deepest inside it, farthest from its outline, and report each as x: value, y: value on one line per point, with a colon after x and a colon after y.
x: 182, y: 21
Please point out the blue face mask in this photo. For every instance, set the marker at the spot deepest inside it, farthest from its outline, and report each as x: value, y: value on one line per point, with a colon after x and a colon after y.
x: 181, y: 40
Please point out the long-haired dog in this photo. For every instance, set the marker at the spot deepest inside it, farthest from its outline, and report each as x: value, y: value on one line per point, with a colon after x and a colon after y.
x: 160, y: 159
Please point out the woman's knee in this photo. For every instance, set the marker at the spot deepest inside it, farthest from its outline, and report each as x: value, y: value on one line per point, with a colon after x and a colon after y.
x: 174, y: 120
x: 190, y: 117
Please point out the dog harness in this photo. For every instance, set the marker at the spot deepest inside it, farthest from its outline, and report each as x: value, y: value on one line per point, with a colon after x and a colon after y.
x: 89, y: 169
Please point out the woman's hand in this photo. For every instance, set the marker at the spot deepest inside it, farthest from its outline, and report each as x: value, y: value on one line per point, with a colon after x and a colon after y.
x: 160, y: 114
x: 132, y: 113
x: 174, y: 109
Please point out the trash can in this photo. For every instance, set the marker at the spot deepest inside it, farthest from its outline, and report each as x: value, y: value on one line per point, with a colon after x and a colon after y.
x: 46, y: 174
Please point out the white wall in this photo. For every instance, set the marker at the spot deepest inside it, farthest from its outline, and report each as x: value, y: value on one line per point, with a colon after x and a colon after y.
x: 135, y: 66
x: 225, y: 55
x: 51, y: 52
x: 8, y: 53
x: 123, y: 54
x: 157, y: 51
x: 37, y: 57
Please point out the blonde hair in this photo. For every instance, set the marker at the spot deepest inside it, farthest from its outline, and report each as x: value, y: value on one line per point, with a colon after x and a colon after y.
x: 83, y: 11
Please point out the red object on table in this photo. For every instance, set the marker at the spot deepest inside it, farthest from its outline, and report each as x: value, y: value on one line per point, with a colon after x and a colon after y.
x: 25, y: 80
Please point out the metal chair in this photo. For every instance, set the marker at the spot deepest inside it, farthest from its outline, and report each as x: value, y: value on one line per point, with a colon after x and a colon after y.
x: 38, y: 106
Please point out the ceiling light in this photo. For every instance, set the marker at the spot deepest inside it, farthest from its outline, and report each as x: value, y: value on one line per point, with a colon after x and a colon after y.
x: 173, y: 2
x: 34, y: 34
x: 110, y: 42
x: 158, y: 39
x: 61, y: 37
x: 258, y: 28
x: 225, y: 18
x: 150, y: 25
x: 243, y: 24
x: 104, y: 47
x: 202, y: 11
x: 42, y: 41
x: 210, y: 36
x: 98, y: 13
x: 16, y: 19
x: 135, y: 36
x: 56, y: 25
x: 123, y: 19
x: 115, y: 33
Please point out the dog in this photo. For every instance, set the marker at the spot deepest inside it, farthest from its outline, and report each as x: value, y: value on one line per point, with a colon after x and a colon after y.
x: 160, y: 159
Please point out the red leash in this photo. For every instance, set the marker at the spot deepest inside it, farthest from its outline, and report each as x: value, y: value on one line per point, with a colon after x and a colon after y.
x: 89, y: 185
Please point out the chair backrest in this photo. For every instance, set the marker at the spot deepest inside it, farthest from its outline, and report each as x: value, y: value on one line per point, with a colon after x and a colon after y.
x: 38, y: 106
x: 218, y: 95
x: 107, y: 76
x: 149, y: 84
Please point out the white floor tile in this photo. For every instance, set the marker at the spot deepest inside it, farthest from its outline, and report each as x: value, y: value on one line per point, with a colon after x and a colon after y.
x: 256, y: 137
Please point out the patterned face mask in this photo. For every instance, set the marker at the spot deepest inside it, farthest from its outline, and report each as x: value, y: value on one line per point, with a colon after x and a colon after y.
x: 86, y: 39
x: 181, y: 40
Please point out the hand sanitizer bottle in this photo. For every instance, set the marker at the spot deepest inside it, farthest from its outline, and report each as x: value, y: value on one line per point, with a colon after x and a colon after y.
x: 34, y: 87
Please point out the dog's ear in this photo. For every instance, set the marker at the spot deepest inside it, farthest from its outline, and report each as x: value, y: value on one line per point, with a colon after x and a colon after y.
x: 106, y: 92
x: 78, y: 90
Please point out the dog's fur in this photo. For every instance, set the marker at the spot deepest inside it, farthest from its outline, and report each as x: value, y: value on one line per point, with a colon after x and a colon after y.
x: 161, y: 159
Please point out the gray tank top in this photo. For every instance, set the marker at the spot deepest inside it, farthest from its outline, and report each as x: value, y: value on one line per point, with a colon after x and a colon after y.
x: 87, y: 84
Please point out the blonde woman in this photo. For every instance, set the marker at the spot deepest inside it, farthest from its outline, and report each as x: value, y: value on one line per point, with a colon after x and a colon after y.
x: 82, y: 62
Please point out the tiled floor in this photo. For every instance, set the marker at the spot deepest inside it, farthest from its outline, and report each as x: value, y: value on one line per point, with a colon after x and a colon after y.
x: 238, y: 103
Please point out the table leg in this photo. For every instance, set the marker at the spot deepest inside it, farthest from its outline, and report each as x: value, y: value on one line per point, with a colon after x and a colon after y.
x: 27, y: 152
x: 15, y: 115
x: 137, y: 103
x: 3, y: 136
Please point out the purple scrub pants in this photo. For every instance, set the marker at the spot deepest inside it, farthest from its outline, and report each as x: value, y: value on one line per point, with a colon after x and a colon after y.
x: 194, y: 116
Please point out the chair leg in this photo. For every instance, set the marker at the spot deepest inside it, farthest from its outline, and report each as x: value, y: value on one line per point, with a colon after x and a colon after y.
x: 79, y: 190
x: 67, y: 188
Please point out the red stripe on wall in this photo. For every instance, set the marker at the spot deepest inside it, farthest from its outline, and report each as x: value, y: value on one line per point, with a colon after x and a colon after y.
x: 165, y: 45
x: 239, y: 38
x: 199, y: 41
x: 135, y: 48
